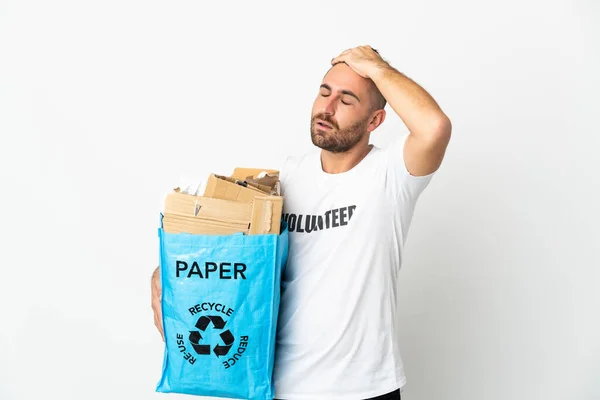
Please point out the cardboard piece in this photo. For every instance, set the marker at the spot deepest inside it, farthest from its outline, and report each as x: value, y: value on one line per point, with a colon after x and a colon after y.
x: 246, y: 173
x: 198, y: 206
x: 266, y: 215
x: 221, y: 187
x: 240, y: 203
x: 250, y: 175
x: 201, y: 215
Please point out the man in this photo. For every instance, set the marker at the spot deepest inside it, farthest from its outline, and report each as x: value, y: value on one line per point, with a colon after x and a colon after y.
x: 349, y: 206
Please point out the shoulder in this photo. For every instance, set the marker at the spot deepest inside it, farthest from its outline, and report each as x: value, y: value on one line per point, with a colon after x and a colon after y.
x: 401, y: 182
x: 294, y: 163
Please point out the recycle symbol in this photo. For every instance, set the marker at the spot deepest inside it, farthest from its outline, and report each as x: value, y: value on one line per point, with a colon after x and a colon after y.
x: 218, y: 323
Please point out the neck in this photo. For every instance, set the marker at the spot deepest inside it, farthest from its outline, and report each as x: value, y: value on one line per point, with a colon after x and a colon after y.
x: 336, y: 163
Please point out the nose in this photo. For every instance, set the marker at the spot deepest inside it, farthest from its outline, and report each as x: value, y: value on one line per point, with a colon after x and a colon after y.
x: 328, y: 106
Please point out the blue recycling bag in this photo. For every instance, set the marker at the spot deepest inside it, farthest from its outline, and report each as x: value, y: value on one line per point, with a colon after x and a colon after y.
x: 220, y: 302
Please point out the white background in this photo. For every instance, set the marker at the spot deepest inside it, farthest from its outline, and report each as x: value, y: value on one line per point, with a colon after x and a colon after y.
x: 104, y: 106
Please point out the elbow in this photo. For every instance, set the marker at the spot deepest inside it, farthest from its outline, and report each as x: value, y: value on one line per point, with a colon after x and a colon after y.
x: 435, y: 129
x: 442, y: 127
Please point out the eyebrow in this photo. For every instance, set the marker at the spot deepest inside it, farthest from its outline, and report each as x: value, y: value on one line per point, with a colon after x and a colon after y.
x: 348, y: 92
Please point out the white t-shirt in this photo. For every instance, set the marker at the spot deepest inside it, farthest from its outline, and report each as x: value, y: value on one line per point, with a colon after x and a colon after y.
x: 338, y: 324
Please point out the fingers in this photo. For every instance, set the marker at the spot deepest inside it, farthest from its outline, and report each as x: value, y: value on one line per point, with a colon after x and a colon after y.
x: 158, y: 319
x: 341, y: 57
x: 358, y: 48
x: 156, y: 294
x: 156, y: 289
x: 367, y: 47
x: 338, y: 59
x: 361, y: 52
x: 158, y: 324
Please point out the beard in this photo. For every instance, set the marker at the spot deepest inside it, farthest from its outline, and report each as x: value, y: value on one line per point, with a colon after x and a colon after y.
x: 336, y: 140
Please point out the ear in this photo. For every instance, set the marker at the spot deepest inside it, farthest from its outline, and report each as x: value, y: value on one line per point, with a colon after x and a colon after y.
x: 377, y: 119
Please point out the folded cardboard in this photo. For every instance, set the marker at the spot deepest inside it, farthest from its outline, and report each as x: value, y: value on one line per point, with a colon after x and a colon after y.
x: 266, y: 215
x: 222, y: 187
x: 199, y: 206
x: 243, y: 202
x: 250, y: 173
x: 243, y: 185
x: 260, y: 178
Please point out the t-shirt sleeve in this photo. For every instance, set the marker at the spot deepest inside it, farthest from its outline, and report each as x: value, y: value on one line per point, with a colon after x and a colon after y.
x: 402, y: 186
x: 284, y: 172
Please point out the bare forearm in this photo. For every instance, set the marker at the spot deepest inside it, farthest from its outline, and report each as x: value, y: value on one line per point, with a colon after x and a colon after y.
x: 156, y: 300
x: 417, y: 109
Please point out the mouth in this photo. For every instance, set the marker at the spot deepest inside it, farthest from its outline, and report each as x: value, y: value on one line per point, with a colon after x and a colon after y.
x: 324, y: 125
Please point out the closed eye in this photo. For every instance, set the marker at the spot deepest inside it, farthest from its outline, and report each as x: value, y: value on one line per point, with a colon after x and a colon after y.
x: 343, y: 102
x: 327, y: 89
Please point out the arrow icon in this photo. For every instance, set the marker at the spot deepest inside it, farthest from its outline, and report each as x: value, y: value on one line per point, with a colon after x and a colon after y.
x: 218, y: 323
x: 204, y: 320
x: 228, y: 340
x: 195, y: 338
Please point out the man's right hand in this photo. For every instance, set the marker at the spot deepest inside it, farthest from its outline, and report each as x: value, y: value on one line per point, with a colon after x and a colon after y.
x: 156, y: 300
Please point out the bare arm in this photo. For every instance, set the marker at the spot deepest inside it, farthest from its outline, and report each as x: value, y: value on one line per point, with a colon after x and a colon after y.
x: 429, y: 127
x: 156, y: 299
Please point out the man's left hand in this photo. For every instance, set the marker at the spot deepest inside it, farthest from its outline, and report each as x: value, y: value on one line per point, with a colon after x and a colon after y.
x: 364, y: 60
